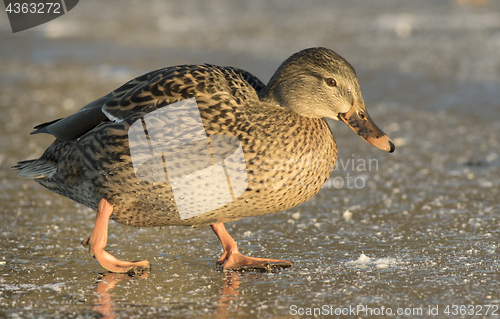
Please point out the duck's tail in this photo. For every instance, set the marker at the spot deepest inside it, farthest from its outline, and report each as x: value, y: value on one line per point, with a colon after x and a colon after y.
x: 35, y: 169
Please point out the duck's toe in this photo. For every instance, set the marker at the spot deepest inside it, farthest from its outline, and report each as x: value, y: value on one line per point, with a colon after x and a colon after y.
x: 240, y: 262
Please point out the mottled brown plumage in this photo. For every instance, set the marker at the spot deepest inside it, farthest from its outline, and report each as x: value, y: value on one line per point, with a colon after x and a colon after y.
x: 288, y: 148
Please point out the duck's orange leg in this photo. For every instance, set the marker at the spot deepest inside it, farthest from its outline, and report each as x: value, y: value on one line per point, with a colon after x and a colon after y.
x: 98, y: 240
x: 232, y: 259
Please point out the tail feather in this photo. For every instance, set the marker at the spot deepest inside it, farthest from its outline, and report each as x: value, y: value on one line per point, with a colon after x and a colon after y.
x: 35, y: 169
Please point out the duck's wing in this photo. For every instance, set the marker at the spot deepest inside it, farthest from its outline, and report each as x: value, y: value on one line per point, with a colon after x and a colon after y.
x: 251, y: 79
x: 145, y: 93
x: 209, y: 83
x: 75, y: 125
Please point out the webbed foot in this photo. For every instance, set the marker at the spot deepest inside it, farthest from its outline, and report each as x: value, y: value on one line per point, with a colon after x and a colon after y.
x: 98, y: 240
x: 233, y: 260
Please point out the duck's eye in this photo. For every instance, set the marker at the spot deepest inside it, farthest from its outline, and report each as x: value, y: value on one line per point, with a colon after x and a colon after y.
x: 331, y: 82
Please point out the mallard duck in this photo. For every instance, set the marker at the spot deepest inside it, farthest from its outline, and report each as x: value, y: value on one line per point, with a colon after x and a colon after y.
x: 198, y: 145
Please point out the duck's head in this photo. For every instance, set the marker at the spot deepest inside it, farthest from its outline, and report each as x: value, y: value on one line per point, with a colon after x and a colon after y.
x: 317, y: 83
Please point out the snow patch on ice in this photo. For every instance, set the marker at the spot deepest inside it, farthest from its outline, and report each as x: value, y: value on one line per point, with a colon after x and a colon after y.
x: 364, y: 262
x: 347, y: 215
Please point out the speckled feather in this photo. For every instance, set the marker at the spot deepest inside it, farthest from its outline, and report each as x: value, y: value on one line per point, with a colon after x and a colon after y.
x: 288, y: 156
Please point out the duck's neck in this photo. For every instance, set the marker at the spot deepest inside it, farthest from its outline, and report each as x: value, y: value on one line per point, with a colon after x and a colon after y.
x: 280, y: 92
x: 286, y: 94
x: 268, y: 95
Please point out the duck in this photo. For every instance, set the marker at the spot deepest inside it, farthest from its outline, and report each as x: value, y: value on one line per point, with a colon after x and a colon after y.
x: 199, y: 145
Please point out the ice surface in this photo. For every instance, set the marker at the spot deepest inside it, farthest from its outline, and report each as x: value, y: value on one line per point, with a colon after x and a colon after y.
x: 422, y: 231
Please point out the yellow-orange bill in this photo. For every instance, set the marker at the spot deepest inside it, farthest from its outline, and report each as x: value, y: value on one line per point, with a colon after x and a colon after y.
x: 358, y: 119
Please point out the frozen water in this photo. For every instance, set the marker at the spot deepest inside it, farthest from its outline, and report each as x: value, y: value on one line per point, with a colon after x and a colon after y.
x: 422, y: 231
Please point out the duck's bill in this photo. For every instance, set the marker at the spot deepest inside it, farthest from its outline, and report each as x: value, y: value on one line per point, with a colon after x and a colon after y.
x: 358, y: 119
